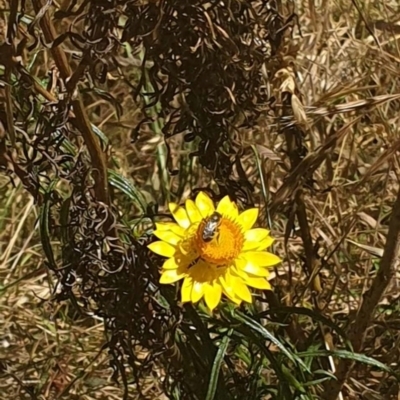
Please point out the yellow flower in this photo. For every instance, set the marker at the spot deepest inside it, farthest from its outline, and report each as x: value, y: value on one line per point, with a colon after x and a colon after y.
x: 215, y: 251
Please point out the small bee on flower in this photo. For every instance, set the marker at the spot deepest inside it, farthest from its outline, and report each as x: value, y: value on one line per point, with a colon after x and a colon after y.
x: 214, y: 250
x: 211, y: 225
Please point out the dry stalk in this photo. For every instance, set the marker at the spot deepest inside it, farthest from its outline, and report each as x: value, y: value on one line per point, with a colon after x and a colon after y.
x: 370, y: 301
x: 82, y: 121
x: 307, y: 165
x: 7, y: 48
x: 294, y: 142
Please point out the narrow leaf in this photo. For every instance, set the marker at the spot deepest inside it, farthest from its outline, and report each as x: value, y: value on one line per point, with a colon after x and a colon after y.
x: 256, y: 327
x: 126, y: 187
x: 212, y: 386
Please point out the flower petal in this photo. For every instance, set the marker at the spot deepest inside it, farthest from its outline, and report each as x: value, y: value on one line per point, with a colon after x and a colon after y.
x: 248, y: 218
x: 186, y: 290
x: 204, y: 204
x: 240, y: 262
x: 168, y: 236
x: 170, y: 264
x: 264, y: 244
x: 258, y: 283
x: 170, y: 276
x: 261, y: 258
x: 192, y: 211
x: 228, y: 208
x: 197, y: 291
x: 162, y: 248
x: 256, y: 234
x: 241, y: 290
x: 212, y: 295
x: 170, y: 226
x: 228, y: 291
x: 257, y: 239
x: 251, y: 268
x: 261, y: 245
x: 235, y: 288
x: 179, y: 214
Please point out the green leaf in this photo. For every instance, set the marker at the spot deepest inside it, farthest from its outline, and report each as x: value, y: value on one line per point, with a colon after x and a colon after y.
x: 44, y: 223
x: 274, y: 361
x: 212, y: 386
x: 126, y: 187
x: 109, y: 98
x: 305, y: 311
x: 350, y: 356
x: 292, y: 380
x: 258, y: 328
x: 100, y: 134
x: 64, y: 213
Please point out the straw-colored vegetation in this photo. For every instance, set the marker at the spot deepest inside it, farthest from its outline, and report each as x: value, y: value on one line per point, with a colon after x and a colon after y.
x: 321, y: 154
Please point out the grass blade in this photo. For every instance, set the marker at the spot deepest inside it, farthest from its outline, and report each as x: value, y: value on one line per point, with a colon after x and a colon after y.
x: 258, y: 328
x: 128, y: 188
x: 212, y: 386
x: 350, y: 356
x: 44, y: 224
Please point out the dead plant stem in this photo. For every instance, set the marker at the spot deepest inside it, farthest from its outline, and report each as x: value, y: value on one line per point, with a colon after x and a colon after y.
x: 370, y: 301
x: 96, y: 154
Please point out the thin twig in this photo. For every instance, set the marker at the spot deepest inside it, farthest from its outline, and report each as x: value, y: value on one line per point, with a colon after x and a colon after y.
x: 9, y: 107
x: 293, y: 137
x: 6, y: 44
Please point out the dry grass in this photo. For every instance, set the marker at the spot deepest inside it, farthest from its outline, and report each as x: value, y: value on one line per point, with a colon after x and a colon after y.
x: 348, y: 84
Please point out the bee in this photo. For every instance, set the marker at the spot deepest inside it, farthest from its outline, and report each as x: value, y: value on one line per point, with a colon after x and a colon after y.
x: 211, y: 226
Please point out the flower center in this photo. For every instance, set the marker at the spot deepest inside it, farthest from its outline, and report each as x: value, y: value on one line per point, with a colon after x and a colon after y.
x: 225, y: 245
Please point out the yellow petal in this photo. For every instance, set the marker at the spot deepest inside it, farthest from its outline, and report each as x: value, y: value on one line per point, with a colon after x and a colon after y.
x: 248, y: 218
x: 185, y: 247
x: 228, y: 208
x: 212, y: 295
x: 241, y: 290
x: 192, y: 211
x: 164, y: 226
x: 170, y: 226
x: 257, y: 239
x: 251, y: 268
x: 170, y: 264
x: 256, y: 234
x: 167, y: 236
x: 197, y: 291
x: 240, y: 262
x: 228, y: 291
x: 204, y: 204
x: 264, y: 244
x: 233, y: 298
x: 171, y: 276
x: 258, y: 283
x: 179, y: 214
x: 162, y: 248
x: 186, y: 290
x: 261, y: 245
x: 261, y: 258
x: 239, y: 272
x: 234, y: 286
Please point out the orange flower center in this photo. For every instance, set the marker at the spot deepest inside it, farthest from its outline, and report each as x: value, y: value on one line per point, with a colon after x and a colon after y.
x: 225, y: 245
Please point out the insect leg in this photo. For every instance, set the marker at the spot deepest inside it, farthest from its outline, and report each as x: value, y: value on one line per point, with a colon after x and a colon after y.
x: 194, y: 262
